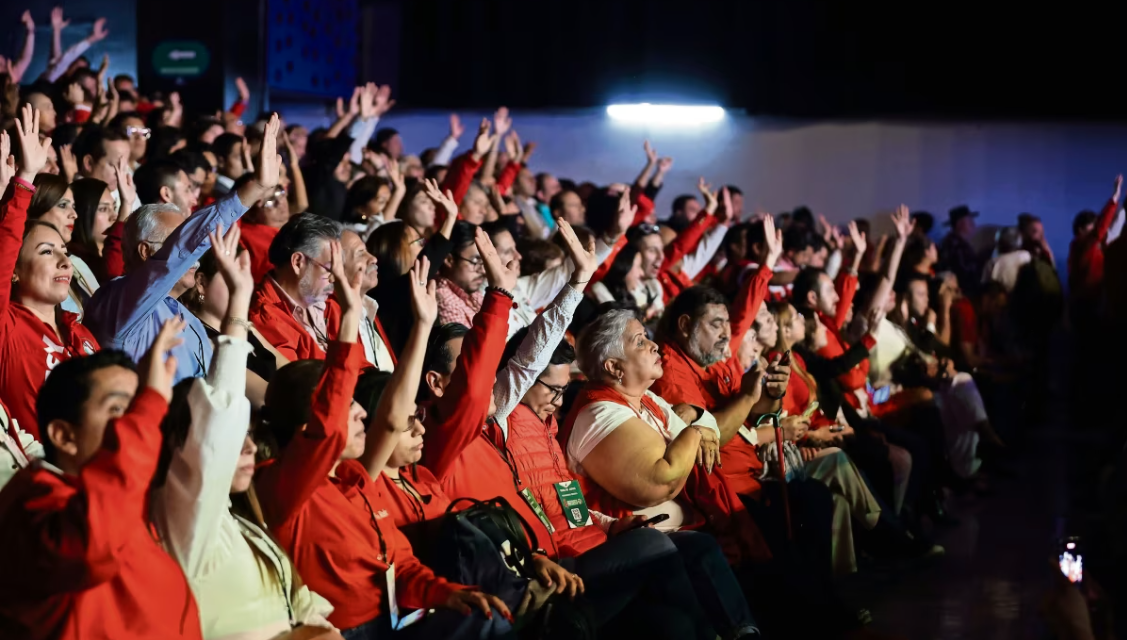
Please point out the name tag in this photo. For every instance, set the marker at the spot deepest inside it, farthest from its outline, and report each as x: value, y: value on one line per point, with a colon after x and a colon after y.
x: 534, y: 504
x: 573, y: 503
x: 398, y: 623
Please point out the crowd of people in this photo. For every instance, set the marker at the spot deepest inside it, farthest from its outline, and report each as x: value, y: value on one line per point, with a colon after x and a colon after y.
x: 263, y: 382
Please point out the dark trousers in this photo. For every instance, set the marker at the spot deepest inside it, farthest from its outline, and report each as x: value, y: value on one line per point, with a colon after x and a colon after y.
x: 811, y: 513
x: 443, y: 623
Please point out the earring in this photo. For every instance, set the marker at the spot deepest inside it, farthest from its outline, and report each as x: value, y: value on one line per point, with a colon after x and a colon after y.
x: 201, y: 298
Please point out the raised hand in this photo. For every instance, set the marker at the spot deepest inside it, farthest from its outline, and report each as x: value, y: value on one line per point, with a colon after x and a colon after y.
x: 381, y: 99
x: 774, y: 239
x: 1118, y: 188
x: 125, y: 187
x: 158, y: 367
x: 244, y: 91
x: 903, y: 222
x: 710, y: 201
x: 267, y: 167
x: 394, y: 174
x: 33, y: 153
x: 664, y: 165
x: 858, y: 238
x: 74, y: 94
x: 355, y: 100
x: 626, y: 214
x: 502, y: 122
x: 514, y: 148
x: 368, y: 101
x: 346, y: 285
x: 27, y: 21
x: 483, y: 142
x: 57, y: 22
x: 529, y: 147
x: 456, y: 128
x: 876, y: 315
x: 724, y: 214
x: 651, y: 155
x: 7, y: 162
x: 498, y: 275
x: 234, y: 268
x: 98, y: 32
x: 444, y: 200
x: 424, y: 304
x: 583, y: 259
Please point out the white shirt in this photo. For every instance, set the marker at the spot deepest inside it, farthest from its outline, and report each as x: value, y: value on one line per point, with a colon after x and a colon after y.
x: 1004, y: 268
x: 376, y: 350
x: 597, y: 420
x: 12, y: 458
x: 537, y: 290
x: 212, y: 545
x: 695, y: 261
x: 648, y: 296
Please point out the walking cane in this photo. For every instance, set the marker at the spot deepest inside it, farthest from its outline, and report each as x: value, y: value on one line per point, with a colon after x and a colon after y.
x: 782, y: 466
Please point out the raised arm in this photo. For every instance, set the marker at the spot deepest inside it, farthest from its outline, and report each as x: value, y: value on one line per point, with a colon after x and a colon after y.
x: 195, y: 497
x: 19, y: 65
x: 298, y: 195
x: 57, y: 26
x: 397, y: 406
x: 754, y: 290
x: 465, y: 400
x: 643, y: 179
x: 1107, y: 214
x: 305, y: 463
x: 98, y: 32
x: 904, y: 226
x: 449, y: 144
x: 501, y: 125
x: 462, y: 169
x: 13, y: 214
x: 545, y: 332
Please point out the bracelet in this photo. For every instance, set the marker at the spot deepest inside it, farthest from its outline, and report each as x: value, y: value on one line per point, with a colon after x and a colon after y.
x: 503, y: 292
x: 580, y: 282
x: 242, y: 322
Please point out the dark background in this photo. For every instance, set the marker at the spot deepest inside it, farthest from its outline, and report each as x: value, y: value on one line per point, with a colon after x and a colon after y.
x: 776, y: 57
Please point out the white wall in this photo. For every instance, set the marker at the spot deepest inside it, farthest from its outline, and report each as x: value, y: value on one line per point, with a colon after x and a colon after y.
x: 841, y: 169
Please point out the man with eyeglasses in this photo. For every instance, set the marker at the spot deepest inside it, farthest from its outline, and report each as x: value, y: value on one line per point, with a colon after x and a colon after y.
x: 162, y: 248
x: 461, y: 278
x: 133, y: 126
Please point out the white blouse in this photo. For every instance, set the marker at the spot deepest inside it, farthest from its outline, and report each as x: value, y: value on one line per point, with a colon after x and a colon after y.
x: 237, y: 598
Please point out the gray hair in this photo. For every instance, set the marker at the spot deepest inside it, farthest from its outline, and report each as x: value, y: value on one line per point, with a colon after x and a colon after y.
x: 303, y: 233
x: 602, y: 340
x: 145, y: 226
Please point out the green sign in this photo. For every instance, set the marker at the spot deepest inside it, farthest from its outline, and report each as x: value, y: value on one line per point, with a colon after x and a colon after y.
x: 181, y: 58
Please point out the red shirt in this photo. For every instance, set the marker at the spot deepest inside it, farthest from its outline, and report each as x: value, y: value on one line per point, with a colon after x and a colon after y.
x: 337, y: 529
x: 407, y: 509
x: 272, y: 314
x: 855, y: 378
x: 964, y: 321
x: 113, y: 260
x: 458, y: 179
x: 29, y: 347
x: 80, y: 559
x: 674, y: 282
x: 683, y: 380
x: 256, y: 239
x: 1086, y: 256
x: 465, y: 460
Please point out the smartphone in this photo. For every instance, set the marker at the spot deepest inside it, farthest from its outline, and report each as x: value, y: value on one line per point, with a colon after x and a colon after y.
x: 785, y: 360
x: 661, y: 517
x: 1072, y: 560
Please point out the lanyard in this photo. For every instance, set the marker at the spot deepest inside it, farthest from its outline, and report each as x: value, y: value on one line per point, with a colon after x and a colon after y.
x: 255, y: 532
x: 413, y: 493
x: 198, y: 356
x: 503, y: 451
x: 376, y: 525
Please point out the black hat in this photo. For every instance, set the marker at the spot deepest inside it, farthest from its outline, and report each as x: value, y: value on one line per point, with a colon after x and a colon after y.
x: 958, y: 213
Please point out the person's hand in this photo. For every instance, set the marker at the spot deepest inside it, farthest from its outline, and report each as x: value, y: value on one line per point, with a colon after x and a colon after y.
x: 820, y: 438
x: 903, y: 222
x: 381, y: 99
x: 68, y: 162
x: 709, y: 452
x: 157, y: 370
x: 244, y: 91
x: 651, y: 155
x: 368, y: 101
x: 57, y: 22
x: 664, y: 165
x: 583, y: 260
x: 483, y: 142
x: 931, y: 317
x: 794, y: 427
x: 551, y: 574
x: 7, y: 162
x: 710, y: 201
x: 622, y: 525
x: 267, y: 167
x: 424, y: 304
x: 1118, y: 188
x: 27, y: 20
x: 514, y: 148
x: 686, y: 412
x: 398, y: 182
x: 777, y: 378
x: 774, y: 239
x: 126, y: 189
x: 875, y: 318
x: 502, y: 122
x: 529, y: 147
x: 353, y: 104
x: 74, y: 94
x: 625, y: 216
x: 98, y: 32
x: 724, y: 213
x: 444, y: 200
x: 807, y: 453
x: 234, y: 268
x: 498, y: 275
x: 467, y: 601
x: 751, y: 385
x: 345, y: 285
x: 858, y: 238
x: 33, y: 153
x: 456, y: 128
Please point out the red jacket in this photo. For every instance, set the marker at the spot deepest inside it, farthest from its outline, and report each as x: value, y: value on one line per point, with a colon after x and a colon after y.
x: 683, y: 380
x: 272, y: 315
x: 113, y: 260
x: 674, y: 282
x: 1086, y: 257
x: 508, y: 176
x: 718, y: 508
x: 856, y: 377
x: 407, y: 509
x: 334, y: 528
x: 541, y: 464
x: 645, y: 208
x: 29, y: 347
x: 80, y: 559
x: 465, y: 460
x: 256, y: 239
x: 458, y: 179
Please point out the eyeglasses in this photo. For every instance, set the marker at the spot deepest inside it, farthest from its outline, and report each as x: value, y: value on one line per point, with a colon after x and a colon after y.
x: 476, y: 262
x: 557, y: 392
x: 143, y: 132
x: 279, y: 193
x: 319, y: 264
x: 648, y: 229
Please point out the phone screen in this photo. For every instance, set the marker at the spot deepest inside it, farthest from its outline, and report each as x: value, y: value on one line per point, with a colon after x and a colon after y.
x: 1072, y: 562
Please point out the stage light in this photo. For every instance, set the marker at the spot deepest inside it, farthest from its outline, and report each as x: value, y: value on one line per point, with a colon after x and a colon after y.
x: 669, y: 114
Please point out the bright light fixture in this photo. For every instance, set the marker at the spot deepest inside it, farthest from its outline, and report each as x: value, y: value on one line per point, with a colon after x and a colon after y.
x: 665, y: 113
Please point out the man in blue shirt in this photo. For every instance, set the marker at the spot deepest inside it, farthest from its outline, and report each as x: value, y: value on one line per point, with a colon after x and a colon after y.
x: 162, y: 248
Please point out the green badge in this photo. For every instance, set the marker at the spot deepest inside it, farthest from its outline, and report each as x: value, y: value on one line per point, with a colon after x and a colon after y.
x: 573, y: 503
x: 534, y: 504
